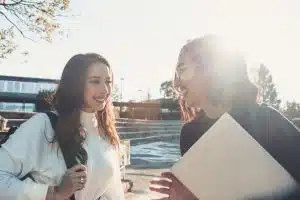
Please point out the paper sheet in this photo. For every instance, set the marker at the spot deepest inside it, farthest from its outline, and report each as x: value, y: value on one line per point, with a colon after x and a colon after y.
x: 227, y: 163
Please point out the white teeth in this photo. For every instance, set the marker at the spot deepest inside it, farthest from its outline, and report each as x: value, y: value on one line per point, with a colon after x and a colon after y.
x: 99, y: 100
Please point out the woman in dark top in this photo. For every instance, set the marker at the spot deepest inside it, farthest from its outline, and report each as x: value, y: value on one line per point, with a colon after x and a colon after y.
x: 193, y: 130
x: 214, y: 79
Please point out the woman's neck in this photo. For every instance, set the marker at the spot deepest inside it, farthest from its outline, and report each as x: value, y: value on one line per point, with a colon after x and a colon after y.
x: 88, y: 119
x: 88, y: 110
x: 214, y: 112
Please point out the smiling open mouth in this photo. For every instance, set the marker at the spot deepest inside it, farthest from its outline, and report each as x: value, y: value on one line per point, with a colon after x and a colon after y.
x: 100, y: 99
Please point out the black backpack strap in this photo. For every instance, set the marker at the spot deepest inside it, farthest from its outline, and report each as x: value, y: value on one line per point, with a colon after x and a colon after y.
x: 53, y: 119
x: 8, y: 134
x: 27, y: 176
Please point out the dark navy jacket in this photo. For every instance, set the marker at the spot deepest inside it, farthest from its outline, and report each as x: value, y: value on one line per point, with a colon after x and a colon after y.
x: 267, y: 126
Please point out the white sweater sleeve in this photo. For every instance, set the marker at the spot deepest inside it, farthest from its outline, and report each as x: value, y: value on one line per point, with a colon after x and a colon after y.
x: 19, y: 155
x: 115, y: 190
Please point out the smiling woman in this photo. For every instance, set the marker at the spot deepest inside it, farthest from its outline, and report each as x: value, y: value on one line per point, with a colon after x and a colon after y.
x: 98, y: 87
x: 214, y: 81
x: 83, y: 139
x: 209, y: 69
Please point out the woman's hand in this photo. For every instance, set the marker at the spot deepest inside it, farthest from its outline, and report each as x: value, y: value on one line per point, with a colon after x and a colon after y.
x: 73, y: 180
x: 172, y: 187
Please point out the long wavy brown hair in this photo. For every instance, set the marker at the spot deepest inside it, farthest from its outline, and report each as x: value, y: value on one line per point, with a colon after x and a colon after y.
x: 68, y: 101
x: 188, y: 113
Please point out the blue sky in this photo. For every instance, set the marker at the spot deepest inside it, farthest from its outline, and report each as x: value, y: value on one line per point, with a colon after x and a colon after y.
x: 141, y: 39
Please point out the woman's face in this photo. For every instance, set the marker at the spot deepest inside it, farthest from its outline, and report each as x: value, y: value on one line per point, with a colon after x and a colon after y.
x: 98, y: 87
x: 191, y: 78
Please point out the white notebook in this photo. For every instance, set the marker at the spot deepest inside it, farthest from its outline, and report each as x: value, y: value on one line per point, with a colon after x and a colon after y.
x: 227, y: 163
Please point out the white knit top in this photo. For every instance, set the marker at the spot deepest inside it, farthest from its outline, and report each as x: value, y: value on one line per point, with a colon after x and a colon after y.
x: 28, y: 150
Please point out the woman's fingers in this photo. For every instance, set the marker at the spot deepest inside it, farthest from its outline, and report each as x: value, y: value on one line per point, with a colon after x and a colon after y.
x: 79, y: 174
x: 164, y: 198
x: 79, y: 186
x: 168, y: 175
x: 160, y: 190
x: 78, y: 167
x: 171, y: 177
x: 80, y: 180
x: 161, y: 182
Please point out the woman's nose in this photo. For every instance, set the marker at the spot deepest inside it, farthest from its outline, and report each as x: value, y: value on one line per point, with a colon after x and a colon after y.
x: 103, y: 88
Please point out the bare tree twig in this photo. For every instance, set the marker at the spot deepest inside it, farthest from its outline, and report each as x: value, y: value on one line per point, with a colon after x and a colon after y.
x: 11, y: 4
x: 33, y: 3
x: 17, y: 15
x: 15, y: 25
x: 40, y: 9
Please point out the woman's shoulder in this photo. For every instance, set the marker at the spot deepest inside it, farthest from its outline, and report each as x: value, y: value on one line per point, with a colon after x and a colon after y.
x: 271, y: 115
x: 190, y: 126
x: 201, y: 122
x: 38, y: 121
x: 30, y: 135
x: 265, y: 120
x: 34, y: 127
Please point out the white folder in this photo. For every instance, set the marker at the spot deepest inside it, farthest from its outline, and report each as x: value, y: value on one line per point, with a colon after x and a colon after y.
x: 227, y: 163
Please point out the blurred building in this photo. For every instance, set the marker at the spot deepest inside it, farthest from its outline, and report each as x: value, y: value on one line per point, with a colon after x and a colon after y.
x: 13, y: 85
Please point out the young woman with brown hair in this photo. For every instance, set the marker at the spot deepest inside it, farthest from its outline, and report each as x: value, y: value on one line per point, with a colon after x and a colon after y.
x: 213, y: 79
x: 84, y: 135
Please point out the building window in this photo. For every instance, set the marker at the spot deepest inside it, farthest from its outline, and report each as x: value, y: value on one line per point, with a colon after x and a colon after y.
x: 2, y: 86
x: 25, y: 87
x: 29, y: 87
x: 22, y: 87
x: 53, y: 86
x: 35, y: 88
x: 17, y: 86
x: 42, y: 86
x: 10, y: 86
x: 2, y: 106
x: 27, y: 107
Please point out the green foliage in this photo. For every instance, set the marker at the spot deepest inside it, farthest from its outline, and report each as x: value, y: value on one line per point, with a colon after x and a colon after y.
x: 292, y: 110
x: 116, y: 94
x: 44, y: 102
x: 6, y: 44
x: 167, y: 90
x: 267, y: 90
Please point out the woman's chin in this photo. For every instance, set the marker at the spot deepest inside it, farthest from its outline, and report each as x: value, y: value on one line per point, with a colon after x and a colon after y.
x: 189, y: 102
x: 193, y: 104
x: 100, y: 107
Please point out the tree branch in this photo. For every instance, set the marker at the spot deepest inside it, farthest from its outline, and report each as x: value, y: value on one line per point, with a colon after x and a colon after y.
x: 42, y: 10
x: 10, y: 21
x: 13, y: 12
x: 11, y: 4
x: 33, y: 3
